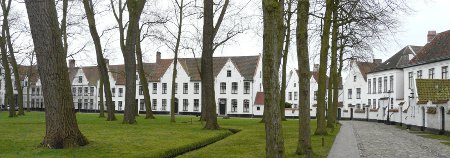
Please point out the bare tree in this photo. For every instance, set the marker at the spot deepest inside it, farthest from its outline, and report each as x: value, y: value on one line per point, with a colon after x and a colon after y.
x: 304, y: 129
x: 288, y: 16
x: 61, y: 124
x: 143, y: 79
x: 333, y: 81
x: 103, y: 70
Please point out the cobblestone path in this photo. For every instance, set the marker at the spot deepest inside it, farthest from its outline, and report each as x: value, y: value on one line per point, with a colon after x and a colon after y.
x: 375, y: 140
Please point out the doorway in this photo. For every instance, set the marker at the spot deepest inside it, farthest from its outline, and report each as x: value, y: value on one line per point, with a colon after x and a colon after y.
x: 442, y: 120
x: 339, y: 114
x: 351, y: 113
x: 175, y: 110
x: 222, y: 106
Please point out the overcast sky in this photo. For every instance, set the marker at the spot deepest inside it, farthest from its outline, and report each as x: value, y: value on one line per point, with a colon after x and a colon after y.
x: 427, y: 15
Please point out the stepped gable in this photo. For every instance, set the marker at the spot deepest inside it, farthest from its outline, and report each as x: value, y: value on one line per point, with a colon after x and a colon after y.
x: 436, y: 50
x: 246, y: 65
x: 399, y: 59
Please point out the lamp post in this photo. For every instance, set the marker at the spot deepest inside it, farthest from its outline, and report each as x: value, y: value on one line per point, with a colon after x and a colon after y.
x: 388, y: 107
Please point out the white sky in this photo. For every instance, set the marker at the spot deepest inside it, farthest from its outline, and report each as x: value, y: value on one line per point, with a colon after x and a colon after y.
x: 428, y: 15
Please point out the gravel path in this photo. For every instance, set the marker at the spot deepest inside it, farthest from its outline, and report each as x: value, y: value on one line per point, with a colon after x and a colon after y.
x: 380, y: 140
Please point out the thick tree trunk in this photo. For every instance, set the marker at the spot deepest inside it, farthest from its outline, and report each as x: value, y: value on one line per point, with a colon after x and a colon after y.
x: 61, y: 124
x: 333, y: 84
x: 135, y: 9
x: 321, y: 123
x: 208, y: 95
x: 273, y: 18
x: 143, y: 79
x: 100, y: 59
x: 304, y: 130
x: 101, y: 104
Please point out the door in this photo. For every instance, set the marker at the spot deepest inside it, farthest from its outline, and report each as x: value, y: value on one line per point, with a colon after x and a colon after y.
x: 79, y: 104
x: 351, y: 113
x: 339, y: 114
x: 423, y: 117
x: 443, y: 119
x: 222, y: 106
x: 175, y: 110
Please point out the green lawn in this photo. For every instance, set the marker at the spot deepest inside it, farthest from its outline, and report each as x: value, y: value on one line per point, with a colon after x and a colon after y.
x: 20, y: 137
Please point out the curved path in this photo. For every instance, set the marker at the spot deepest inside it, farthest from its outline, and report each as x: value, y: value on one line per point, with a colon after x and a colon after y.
x: 369, y: 139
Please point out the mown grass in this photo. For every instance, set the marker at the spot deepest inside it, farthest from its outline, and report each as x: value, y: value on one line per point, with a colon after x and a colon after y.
x: 20, y: 137
x: 250, y: 141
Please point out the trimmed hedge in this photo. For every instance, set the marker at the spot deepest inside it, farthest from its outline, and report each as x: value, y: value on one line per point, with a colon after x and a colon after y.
x: 197, y: 145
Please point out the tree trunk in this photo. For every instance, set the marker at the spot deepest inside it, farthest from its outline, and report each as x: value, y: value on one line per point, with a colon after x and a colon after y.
x: 333, y: 84
x: 143, y: 79
x: 104, y: 77
x: 285, y: 56
x: 304, y: 129
x: 135, y: 9
x: 321, y: 124
x: 9, y: 98
x: 61, y: 124
x: 273, y: 18
x: 208, y: 94
x: 101, y: 104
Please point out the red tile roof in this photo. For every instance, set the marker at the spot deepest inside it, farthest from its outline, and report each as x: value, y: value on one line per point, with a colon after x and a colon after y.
x: 366, y: 67
x: 153, y: 71
x: 438, y: 49
x: 259, y: 99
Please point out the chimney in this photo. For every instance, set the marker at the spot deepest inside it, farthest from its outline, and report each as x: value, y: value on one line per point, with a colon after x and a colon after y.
x: 71, y: 63
x: 377, y: 61
x: 430, y: 36
x: 316, y: 68
x: 158, y: 57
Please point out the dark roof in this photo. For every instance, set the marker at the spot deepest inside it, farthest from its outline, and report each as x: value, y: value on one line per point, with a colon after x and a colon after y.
x: 246, y: 66
x: 24, y: 70
x: 435, y: 90
x: 366, y: 67
x: 259, y: 99
x: 92, y: 74
x: 438, y: 49
x: 153, y: 71
x: 315, y: 75
x: 399, y: 59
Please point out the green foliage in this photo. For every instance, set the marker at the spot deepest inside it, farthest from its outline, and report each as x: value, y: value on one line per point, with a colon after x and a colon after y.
x: 287, y: 105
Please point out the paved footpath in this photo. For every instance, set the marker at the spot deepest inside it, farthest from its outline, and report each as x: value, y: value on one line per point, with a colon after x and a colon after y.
x: 360, y: 139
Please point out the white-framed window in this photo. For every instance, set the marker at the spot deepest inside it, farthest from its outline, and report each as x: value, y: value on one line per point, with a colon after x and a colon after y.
x: 246, y: 87
x: 290, y: 96
x: 185, y: 104
x: 196, y: 87
x: 91, y: 102
x: 80, y: 79
x: 154, y: 104
x: 164, y: 104
x: 155, y: 88
x: 246, y: 105
x: 86, y: 103
x: 176, y: 88
x: 391, y: 83
x: 295, y: 96
x: 234, y: 88
x: 223, y: 88
x: 196, y: 104
x: 86, y: 91
x: 374, y: 105
x: 379, y: 84
x: 385, y: 83
x: 369, y: 86
x: 185, y: 88
x: 419, y: 74
x: 120, y: 92
x: 164, y: 88
x: 431, y: 73
x: 444, y: 72
x: 141, y: 90
x: 315, y: 95
x: 233, y: 105
x: 354, y: 78
x: 358, y: 93
x: 228, y: 73
x: 410, y: 79
x: 349, y: 93
x: 120, y: 105
x: 374, y: 81
x: 92, y: 91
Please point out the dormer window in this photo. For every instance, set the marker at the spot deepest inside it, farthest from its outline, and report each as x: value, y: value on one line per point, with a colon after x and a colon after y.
x: 228, y: 73
x: 80, y: 79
